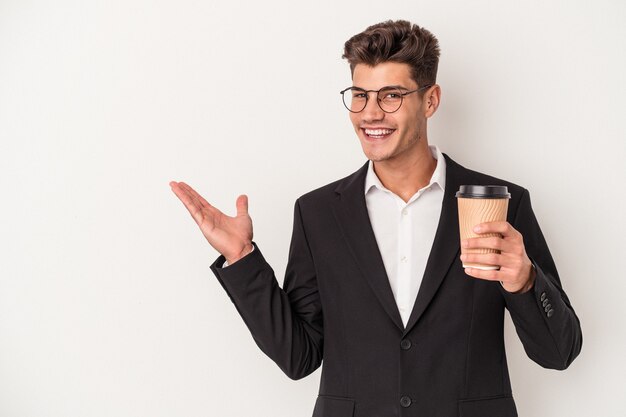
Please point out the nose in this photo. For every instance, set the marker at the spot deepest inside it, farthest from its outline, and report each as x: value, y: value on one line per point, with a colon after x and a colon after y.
x: 372, y: 111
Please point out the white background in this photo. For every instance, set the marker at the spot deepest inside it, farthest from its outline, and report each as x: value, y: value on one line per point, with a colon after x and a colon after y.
x: 107, y: 303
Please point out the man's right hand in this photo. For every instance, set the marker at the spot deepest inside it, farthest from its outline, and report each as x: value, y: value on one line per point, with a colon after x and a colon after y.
x: 230, y: 236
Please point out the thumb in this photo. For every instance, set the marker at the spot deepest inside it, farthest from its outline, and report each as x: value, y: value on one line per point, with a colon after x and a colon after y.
x: 242, y: 205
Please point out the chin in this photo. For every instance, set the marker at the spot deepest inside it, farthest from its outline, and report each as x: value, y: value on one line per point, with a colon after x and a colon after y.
x: 375, y: 157
x: 374, y: 154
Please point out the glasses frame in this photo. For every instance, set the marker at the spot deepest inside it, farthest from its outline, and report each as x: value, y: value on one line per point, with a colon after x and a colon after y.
x: 378, y: 100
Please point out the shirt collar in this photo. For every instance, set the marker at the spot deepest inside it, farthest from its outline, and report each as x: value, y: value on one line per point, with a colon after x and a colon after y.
x: 438, y: 177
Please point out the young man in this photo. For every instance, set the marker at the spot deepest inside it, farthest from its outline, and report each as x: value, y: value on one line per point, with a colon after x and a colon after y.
x: 374, y: 284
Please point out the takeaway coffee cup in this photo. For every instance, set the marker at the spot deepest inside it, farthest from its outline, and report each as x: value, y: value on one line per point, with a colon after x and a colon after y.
x: 480, y: 204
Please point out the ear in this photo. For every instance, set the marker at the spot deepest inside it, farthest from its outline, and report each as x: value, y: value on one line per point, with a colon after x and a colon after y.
x: 431, y: 100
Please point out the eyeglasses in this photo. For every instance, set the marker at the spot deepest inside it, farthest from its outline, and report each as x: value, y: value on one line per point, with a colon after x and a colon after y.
x: 389, y: 99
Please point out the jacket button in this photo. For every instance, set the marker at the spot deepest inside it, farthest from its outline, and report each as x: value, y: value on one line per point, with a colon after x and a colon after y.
x: 550, y: 313
x: 543, y: 296
x: 405, y: 344
x: 405, y: 401
x: 548, y: 308
x: 545, y: 302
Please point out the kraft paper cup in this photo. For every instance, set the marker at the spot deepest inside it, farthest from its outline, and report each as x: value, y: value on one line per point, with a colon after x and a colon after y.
x: 480, y: 204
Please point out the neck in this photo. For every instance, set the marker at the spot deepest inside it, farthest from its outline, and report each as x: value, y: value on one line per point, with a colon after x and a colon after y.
x: 406, y: 177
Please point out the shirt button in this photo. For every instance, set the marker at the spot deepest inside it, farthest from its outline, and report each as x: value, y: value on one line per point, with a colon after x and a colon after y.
x: 405, y: 401
x: 403, y: 259
x: 405, y: 344
x: 404, y: 212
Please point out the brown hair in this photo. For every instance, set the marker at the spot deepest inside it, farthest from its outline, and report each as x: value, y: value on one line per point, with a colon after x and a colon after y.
x: 396, y: 41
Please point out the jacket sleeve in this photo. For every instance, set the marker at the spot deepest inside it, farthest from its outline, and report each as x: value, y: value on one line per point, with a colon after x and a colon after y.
x: 285, y: 323
x: 543, y: 316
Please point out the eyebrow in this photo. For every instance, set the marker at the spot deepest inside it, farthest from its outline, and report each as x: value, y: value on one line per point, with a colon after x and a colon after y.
x: 387, y: 86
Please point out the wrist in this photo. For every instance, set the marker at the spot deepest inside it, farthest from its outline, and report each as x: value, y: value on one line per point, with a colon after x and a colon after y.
x: 530, y: 282
x: 246, y: 250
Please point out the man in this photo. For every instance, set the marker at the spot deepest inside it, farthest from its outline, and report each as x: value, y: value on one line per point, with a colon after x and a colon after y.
x: 374, y: 284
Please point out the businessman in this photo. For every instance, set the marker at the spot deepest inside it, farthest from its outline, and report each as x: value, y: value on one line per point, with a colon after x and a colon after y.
x: 374, y: 289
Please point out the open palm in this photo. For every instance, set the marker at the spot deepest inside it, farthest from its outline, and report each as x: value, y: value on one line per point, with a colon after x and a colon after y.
x: 230, y: 236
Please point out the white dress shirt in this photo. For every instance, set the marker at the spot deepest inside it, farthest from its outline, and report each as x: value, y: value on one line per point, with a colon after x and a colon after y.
x: 405, y: 231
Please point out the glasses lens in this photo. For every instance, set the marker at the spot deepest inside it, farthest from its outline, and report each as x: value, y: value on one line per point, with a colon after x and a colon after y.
x: 390, y: 99
x: 354, y: 99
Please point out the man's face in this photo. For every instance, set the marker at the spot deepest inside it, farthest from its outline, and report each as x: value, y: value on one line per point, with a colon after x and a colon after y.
x: 401, y: 129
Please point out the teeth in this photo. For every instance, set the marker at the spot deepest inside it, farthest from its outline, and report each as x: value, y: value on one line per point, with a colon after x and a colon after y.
x: 378, y: 132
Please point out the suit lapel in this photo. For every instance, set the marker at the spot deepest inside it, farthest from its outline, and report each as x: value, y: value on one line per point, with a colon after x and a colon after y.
x: 446, y: 246
x: 353, y: 220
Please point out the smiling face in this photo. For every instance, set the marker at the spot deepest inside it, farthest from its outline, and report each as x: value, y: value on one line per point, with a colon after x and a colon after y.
x: 394, y: 136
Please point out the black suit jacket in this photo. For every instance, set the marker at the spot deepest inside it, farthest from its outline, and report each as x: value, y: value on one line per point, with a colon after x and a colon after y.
x: 336, y: 309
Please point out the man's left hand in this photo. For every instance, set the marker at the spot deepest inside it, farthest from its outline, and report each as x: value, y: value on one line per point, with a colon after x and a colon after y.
x: 516, y: 272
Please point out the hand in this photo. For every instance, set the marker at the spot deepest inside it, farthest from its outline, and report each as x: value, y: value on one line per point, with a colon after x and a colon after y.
x: 516, y: 272
x: 230, y: 236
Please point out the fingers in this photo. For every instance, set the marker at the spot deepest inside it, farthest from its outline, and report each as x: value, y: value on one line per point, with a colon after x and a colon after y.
x: 495, y: 259
x: 189, y: 201
x: 510, y: 259
x: 242, y: 205
x: 492, y: 242
x: 196, y: 203
x: 489, y: 275
x: 200, y: 201
x: 511, y: 279
x: 510, y: 266
x: 181, y: 193
x: 504, y: 228
x: 198, y: 198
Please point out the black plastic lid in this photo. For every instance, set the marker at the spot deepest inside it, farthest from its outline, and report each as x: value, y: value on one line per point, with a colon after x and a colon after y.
x: 483, y: 191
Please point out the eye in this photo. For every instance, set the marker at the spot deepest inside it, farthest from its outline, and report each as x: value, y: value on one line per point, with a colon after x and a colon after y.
x: 358, y: 94
x: 391, y: 95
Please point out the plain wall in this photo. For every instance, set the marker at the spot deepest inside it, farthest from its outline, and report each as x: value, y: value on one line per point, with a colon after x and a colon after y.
x: 107, y: 303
